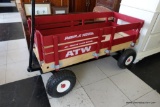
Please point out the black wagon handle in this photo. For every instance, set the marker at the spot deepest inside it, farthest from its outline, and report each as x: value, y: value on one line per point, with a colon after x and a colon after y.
x: 30, y: 68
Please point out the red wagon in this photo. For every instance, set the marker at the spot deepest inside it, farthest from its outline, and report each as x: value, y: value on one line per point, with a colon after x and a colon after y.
x: 63, y: 40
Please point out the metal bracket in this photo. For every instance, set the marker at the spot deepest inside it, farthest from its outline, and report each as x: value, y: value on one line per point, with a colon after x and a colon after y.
x: 95, y: 55
x: 132, y: 44
x: 107, y: 52
x: 53, y: 66
x: 41, y: 62
x: 57, y: 67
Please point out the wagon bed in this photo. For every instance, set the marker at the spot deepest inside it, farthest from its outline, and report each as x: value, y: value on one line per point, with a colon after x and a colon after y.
x: 63, y: 40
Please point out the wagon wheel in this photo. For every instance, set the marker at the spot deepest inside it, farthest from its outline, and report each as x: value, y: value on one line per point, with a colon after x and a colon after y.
x: 61, y: 83
x: 127, y: 58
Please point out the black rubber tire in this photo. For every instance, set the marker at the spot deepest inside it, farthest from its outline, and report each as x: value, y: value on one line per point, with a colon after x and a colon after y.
x: 57, y: 78
x: 124, y: 56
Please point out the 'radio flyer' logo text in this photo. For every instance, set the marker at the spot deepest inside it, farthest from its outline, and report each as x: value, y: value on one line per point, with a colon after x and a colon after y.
x: 79, y: 36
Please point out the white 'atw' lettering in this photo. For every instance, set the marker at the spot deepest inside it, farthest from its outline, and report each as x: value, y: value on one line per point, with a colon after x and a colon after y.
x: 76, y: 51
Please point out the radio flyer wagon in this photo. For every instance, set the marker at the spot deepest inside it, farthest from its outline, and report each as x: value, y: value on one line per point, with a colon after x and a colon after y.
x: 64, y: 40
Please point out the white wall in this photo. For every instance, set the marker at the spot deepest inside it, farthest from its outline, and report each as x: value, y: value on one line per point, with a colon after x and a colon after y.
x: 149, y: 5
x: 148, y: 17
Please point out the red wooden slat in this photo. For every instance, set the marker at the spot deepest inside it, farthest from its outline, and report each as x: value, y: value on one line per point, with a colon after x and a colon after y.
x: 72, y: 36
x: 71, y: 45
x: 77, y: 51
x: 49, y: 58
x: 107, y: 30
x: 127, y: 18
x: 127, y: 27
x: 104, y: 44
x: 29, y: 25
x: 99, y: 41
x: 59, y: 18
x: 56, y: 55
x: 39, y: 45
x: 130, y: 32
x: 111, y: 38
x: 72, y: 31
x: 56, y: 25
x: 123, y: 40
x: 71, y: 53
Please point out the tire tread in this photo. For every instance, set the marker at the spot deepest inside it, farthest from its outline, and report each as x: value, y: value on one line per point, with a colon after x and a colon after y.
x: 123, y: 57
x: 56, y: 78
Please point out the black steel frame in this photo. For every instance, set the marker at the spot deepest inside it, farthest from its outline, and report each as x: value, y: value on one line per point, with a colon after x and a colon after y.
x: 32, y: 67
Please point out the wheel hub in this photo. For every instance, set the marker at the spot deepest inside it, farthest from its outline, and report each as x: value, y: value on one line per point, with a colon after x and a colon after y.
x: 63, y: 85
x: 129, y: 60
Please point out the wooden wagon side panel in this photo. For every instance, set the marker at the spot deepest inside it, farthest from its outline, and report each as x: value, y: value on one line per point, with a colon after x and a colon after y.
x: 62, y: 47
x: 47, y: 67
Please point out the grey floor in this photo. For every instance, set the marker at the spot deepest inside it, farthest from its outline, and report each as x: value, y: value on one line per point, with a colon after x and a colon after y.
x: 101, y: 83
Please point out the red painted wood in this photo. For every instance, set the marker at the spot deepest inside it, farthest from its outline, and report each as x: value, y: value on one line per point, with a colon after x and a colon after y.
x: 58, y: 29
x: 105, y: 44
x: 39, y: 45
x: 49, y: 58
x: 107, y: 30
x: 131, y: 32
x: 122, y: 28
x: 56, y: 55
x: 64, y: 37
x: 123, y: 40
x: 73, y: 52
x: 127, y: 18
x: 70, y: 17
x: 73, y: 29
x: 71, y: 45
x: 77, y: 51
x: 29, y: 25
x: 57, y: 25
x: 99, y: 40
x: 111, y: 38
